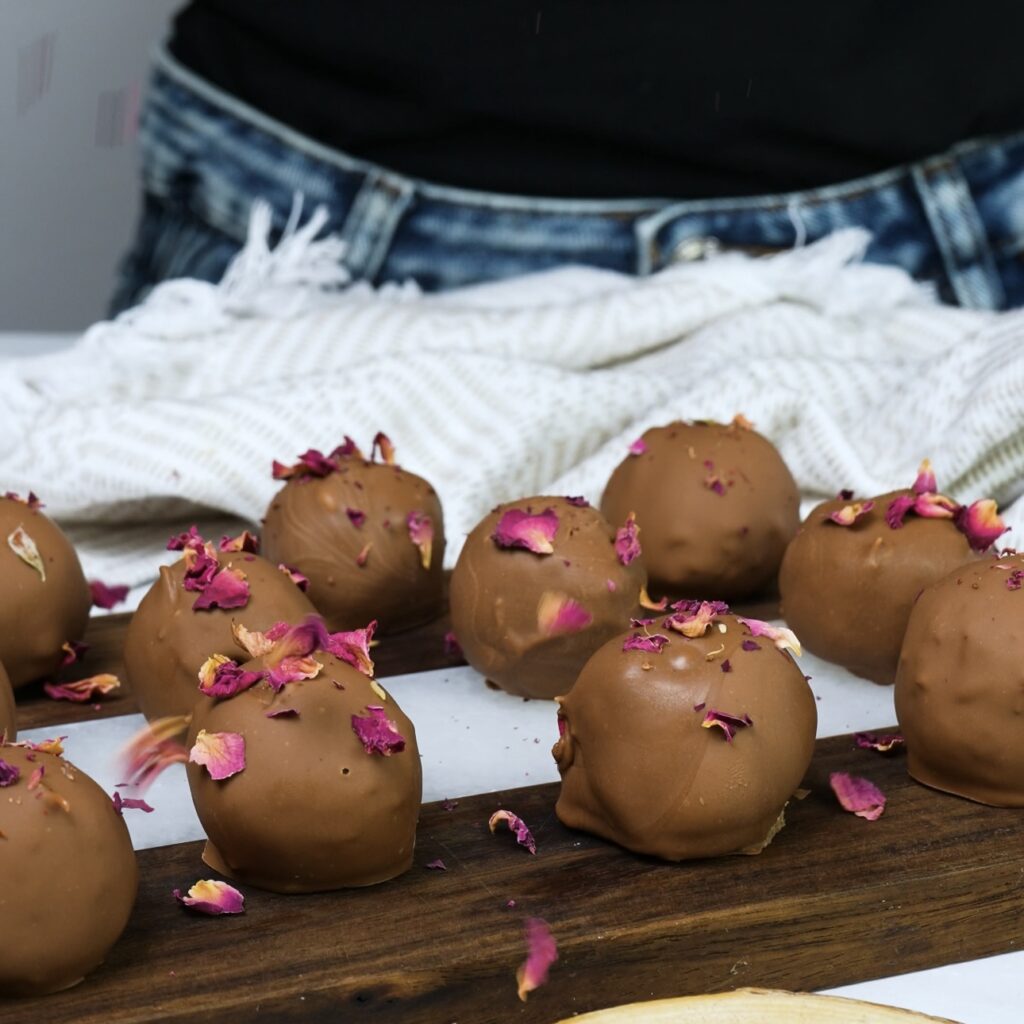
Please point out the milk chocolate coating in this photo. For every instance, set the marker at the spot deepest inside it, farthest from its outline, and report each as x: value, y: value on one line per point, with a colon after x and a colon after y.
x: 495, y: 594
x: 847, y: 591
x: 698, y: 543
x: 308, y: 528
x: 638, y: 768
x: 960, y: 684
x: 37, y: 616
x: 167, y: 642
x: 67, y: 877
x: 311, y: 811
x: 8, y: 715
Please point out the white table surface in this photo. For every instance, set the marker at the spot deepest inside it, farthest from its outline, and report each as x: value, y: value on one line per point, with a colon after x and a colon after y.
x: 475, y: 740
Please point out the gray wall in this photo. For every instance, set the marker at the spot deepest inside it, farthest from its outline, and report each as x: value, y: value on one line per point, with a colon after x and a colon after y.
x: 72, y: 73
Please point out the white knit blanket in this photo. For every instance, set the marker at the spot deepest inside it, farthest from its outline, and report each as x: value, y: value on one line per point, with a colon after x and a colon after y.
x: 173, y: 413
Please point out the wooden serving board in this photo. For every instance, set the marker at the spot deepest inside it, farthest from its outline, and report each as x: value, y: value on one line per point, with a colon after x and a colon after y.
x: 834, y: 900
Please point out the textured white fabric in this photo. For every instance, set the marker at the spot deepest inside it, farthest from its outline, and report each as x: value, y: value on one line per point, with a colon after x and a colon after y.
x: 174, y: 412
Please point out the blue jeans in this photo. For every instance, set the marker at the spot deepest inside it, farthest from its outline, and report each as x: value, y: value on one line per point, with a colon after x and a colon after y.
x: 955, y: 220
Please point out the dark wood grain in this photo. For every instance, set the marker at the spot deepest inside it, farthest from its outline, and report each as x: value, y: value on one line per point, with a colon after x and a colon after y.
x: 835, y: 899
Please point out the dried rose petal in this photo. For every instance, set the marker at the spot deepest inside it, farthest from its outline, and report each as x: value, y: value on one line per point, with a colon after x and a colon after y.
x: 25, y: 548
x: 312, y: 463
x: 541, y: 953
x: 219, y: 676
x: 519, y: 529
x: 558, y: 614
x: 638, y: 447
x: 846, y: 494
x: 578, y: 501
x: 750, y: 645
x: 883, y: 743
x: 356, y: 517
x: 452, y: 647
x: 981, y: 524
x: 152, y: 749
x: 713, y: 482
x: 364, y: 555
x: 849, y: 514
x: 783, y: 638
x: 212, y: 897
x: 935, y: 506
x: 1015, y: 580
x: 83, y: 690
x: 524, y: 837
x: 925, y: 482
x: 245, y: 542
x: 857, y: 795
x: 254, y: 643
x: 692, y: 618
x: 228, y: 589
x: 51, y: 746
x: 387, y: 449
x: 9, y: 773
x: 653, y: 644
x: 627, y: 540
x: 377, y: 733
x: 436, y: 865
x: 421, y: 533
x: 74, y: 651
x: 32, y: 501
x: 221, y: 753
x: 726, y: 665
x: 726, y: 722
x: 353, y: 647
x: 645, y: 601
x: 347, y: 450
x: 130, y: 803
x: 281, y: 713
x: 741, y: 422
x: 302, y: 582
x: 104, y: 596
x: 897, y: 510
x: 191, y: 538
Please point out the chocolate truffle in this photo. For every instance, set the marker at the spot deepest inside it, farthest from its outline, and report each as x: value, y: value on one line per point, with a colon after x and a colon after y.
x: 539, y: 585
x: 686, y: 746
x: 8, y: 715
x: 67, y: 867
x: 44, y: 598
x: 716, y: 507
x: 854, y: 570
x: 306, y: 777
x: 960, y: 682
x: 188, y: 614
x: 369, y: 536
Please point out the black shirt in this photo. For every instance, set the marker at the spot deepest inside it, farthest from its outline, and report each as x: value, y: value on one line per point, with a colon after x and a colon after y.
x: 629, y: 98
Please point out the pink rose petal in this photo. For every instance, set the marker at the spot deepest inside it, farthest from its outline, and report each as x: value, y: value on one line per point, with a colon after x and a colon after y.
x: 519, y: 529
x: 436, y: 865
x: 245, y: 542
x: 302, y: 582
x: 897, y: 510
x: 516, y: 825
x: 155, y: 747
x: 452, y: 647
x: 74, y: 651
x: 421, y: 533
x: 729, y: 724
x: 104, y: 596
x: 925, y: 482
x: 219, y: 676
x: 692, y: 618
x: 638, y: 447
x: 130, y: 803
x: 33, y: 503
x: 652, y: 643
x: 859, y: 796
x: 849, y: 514
x: 377, y: 733
x: 9, y: 773
x: 577, y: 501
x: 222, y: 754
x: 212, y: 897
x: 558, y: 614
x: 884, y: 744
x: 353, y: 647
x: 541, y: 953
x: 382, y: 443
x: 228, y: 589
x: 981, y: 524
x: 83, y: 690
x: 935, y: 506
x: 627, y: 540
x: 25, y: 548
x: 312, y: 463
x: 356, y: 516
x: 783, y: 638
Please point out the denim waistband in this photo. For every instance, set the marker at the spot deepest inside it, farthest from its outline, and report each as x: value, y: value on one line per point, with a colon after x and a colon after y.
x: 955, y: 219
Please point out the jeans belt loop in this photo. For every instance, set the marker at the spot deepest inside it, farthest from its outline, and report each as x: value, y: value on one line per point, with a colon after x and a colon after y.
x: 372, y: 222
x: 959, y: 233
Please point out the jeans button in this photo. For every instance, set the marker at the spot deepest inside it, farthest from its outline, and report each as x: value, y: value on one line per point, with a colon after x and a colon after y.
x: 697, y: 247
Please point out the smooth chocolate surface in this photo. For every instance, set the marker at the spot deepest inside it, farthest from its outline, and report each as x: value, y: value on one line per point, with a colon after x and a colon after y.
x: 168, y: 640
x: 38, y: 616
x: 847, y: 591
x: 68, y: 876
x: 716, y: 506
x: 496, y: 595
x: 639, y: 768
x: 960, y: 683
x: 312, y: 810
x: 8, y: 714
x: 348, y: 533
